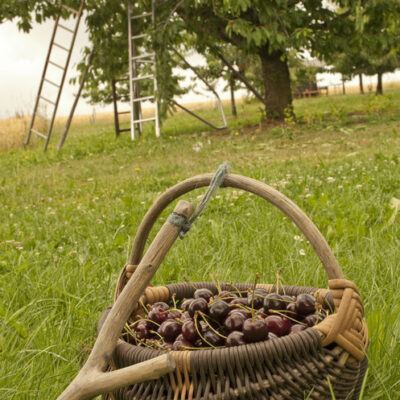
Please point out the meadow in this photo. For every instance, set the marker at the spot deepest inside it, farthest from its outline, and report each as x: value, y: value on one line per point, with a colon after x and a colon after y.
x: 68, y: 219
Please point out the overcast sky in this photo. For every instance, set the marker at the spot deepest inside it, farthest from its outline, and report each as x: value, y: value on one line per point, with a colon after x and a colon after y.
x: 22, y: 57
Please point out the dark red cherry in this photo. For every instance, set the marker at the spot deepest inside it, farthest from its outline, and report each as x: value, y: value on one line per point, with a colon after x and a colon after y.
x: 277, y: 324
x: 246, y: 313
x: 169, y: 330
x: 274, y: 301
x: 181, y: 343
x: 212, y: 338
x: 291, y: 311
x: 218, y: 310
x: 234, y: 322
x: 189, y: 331
x: 142, y: 330
x: 313, y: 319
x: 161, y: 305
x: 174, y: 314
x: 235, y: 338
x: 158, y: 315
x: 239, y: 300
x: 297, y: 328
x: 254, y: 331
x: 185, y: 304
x: 203, y: 294
x: 305, y: 304
x: 259, y: 295
x: 198, y: 305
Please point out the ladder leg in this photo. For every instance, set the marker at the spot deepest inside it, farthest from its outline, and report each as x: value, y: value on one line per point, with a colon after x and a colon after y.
x: 28, y: 136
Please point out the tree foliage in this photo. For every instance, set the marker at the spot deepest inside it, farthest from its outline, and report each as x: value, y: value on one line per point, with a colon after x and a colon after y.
x: 261, y: 30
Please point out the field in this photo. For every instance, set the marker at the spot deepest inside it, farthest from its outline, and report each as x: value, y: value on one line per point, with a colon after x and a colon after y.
x: 68, y: 219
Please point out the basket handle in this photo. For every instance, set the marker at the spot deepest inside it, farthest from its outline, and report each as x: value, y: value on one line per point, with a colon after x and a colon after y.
x: 261, y: 189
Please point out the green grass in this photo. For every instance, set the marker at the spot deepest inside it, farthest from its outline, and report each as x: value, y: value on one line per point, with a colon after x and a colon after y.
x: 68, y: 219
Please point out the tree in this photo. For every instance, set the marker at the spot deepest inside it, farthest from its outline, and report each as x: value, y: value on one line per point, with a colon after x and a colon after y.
x: 266, y: 30
x: 373, y: 46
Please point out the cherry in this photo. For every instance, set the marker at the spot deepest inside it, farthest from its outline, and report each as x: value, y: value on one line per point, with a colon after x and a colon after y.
x: 305, y: 304
x: 185, y: 316
x: 291, y: 311
x: 234, y: 322
x: 169, y: 330
x: 198, y: 305
x: 189, y: 331
x: 142, y: 330
x: 161, y: 305
x: 158, y: 315
x: 313, y: 319
x: 277, y: 324
x: 239, y: 300
x: 297, y: 328
x: 218, y: 310
x: 174, y: 314
x: 254, y: 330
x: 274, y: 301
x: 185, y: 304
x: 235, y: 338
x: 259, y: 295
x: 212, y: 338
x: 246, y: 313
x: 203, y: 293
x: 181, y: 342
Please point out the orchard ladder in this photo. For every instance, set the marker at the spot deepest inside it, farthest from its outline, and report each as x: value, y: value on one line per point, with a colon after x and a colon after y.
x: 45, y: 79
x: 137, y: 74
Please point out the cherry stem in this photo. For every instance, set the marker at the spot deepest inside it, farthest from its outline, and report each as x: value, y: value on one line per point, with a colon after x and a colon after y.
x: 210, y: 326
x: 257, y: 277
x: 287, y: 316
x: 198, y: 331
x: 237, y: 290
x: 174, y: 300
x: 143, y: 306
x: 143, y: 319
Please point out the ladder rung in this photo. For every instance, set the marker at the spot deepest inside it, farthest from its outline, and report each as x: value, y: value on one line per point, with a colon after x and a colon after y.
x: 125, y: 130
x: 61, y: 47
x: 66, y: 28
x: 123, y: 112
x: 141, y: 77
x: 49, y: 101
x: 140, y: 36
x: 144, y: 120
x: 145, y: 61
x: 38, y: 133
x: 143, y: 56
x: 56, y: 65
x: 146, y: 14
x: 51, y: 83
x: 142, y: 99
x: 70, y: 9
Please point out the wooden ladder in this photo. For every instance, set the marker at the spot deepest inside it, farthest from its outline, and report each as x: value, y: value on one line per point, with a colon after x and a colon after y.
x: 45, y: 80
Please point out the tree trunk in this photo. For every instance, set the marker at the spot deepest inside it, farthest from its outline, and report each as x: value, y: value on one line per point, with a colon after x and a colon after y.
x: 278, y: 94
x: 360, y: 78
x: 379, y: 88
x: 232, y: 90
x: 343, y: 86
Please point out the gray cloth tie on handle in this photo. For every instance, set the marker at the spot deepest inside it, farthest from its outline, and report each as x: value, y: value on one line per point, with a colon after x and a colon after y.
x: 184, y: 223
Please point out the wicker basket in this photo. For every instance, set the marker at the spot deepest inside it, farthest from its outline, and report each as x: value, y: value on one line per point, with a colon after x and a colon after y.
x: 330, y: 356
